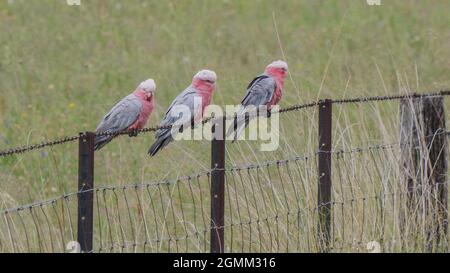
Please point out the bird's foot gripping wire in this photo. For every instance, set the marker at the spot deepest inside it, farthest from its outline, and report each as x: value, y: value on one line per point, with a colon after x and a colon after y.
x: 260, y: 113
x: 133, y: 133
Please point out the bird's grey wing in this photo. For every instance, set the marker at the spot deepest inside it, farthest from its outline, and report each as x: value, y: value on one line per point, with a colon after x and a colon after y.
x: 173, y: 115
x: 185, y: 98
x: 122, y: 115
x: 260, y: 91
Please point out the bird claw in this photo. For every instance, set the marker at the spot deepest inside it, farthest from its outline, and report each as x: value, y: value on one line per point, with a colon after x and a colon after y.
x: 133, y: 134
x: 269, y: 113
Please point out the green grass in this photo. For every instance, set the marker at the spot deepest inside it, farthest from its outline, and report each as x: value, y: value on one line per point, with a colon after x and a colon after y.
x: 63, y: 67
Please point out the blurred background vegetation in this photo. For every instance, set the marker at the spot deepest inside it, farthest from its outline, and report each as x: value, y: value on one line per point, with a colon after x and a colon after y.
x: 63, y: 67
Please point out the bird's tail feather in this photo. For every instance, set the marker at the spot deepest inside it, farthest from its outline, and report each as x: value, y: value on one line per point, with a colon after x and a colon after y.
x: 160, y: 143
x: 101, y: 141
x: 240, y: 129
x: 238, y: 126
x: 236, y: 121
x: 232, y: 128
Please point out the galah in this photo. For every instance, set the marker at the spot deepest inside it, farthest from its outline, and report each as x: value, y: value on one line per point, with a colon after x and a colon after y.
x: 264, y: 90
x: 196, y: 97
x: 129, y: 114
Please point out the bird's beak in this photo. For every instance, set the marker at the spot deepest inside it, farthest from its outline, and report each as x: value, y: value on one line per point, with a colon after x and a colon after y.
x: 149, y: 95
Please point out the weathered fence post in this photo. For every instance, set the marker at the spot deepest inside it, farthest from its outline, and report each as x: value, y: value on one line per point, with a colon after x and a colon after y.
x: 424, y: 165
x: 324, y: 169
x: 85, y: 186
x: 218, y: 186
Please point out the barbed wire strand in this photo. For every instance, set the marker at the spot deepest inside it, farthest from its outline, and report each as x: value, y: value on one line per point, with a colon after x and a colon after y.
x: 28, y: 148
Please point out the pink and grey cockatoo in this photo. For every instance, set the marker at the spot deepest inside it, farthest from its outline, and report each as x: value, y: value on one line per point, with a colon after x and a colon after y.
x: 264, y: 90
x: 195, y: 98
x: 129, y: 114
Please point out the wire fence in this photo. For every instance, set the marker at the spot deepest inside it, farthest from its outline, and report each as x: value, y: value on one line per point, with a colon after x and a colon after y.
x: 23, y: 149
x: 270, y: 206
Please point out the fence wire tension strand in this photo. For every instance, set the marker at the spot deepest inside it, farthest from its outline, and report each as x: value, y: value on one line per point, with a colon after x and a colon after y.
x: 263, y: 206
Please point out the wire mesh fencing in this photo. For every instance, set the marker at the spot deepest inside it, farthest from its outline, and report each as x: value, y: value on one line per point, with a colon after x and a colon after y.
x: 376, y: 201
x: 47, y: 226
x: 167, y: 216
x: 270, y: 207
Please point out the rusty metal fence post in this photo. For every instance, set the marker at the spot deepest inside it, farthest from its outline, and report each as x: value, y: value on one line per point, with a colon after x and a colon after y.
x: 218, y: 186
x: 324, y: 169
x: 86, y: 195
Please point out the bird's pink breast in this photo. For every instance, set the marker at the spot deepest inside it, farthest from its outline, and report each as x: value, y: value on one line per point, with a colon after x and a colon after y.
x: 204, y: 90
x: 206, y: 99
x: 147, y: 108
x: 278, y: 93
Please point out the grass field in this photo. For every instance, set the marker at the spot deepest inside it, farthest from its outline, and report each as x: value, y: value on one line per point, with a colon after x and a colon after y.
x: 62, y: 67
